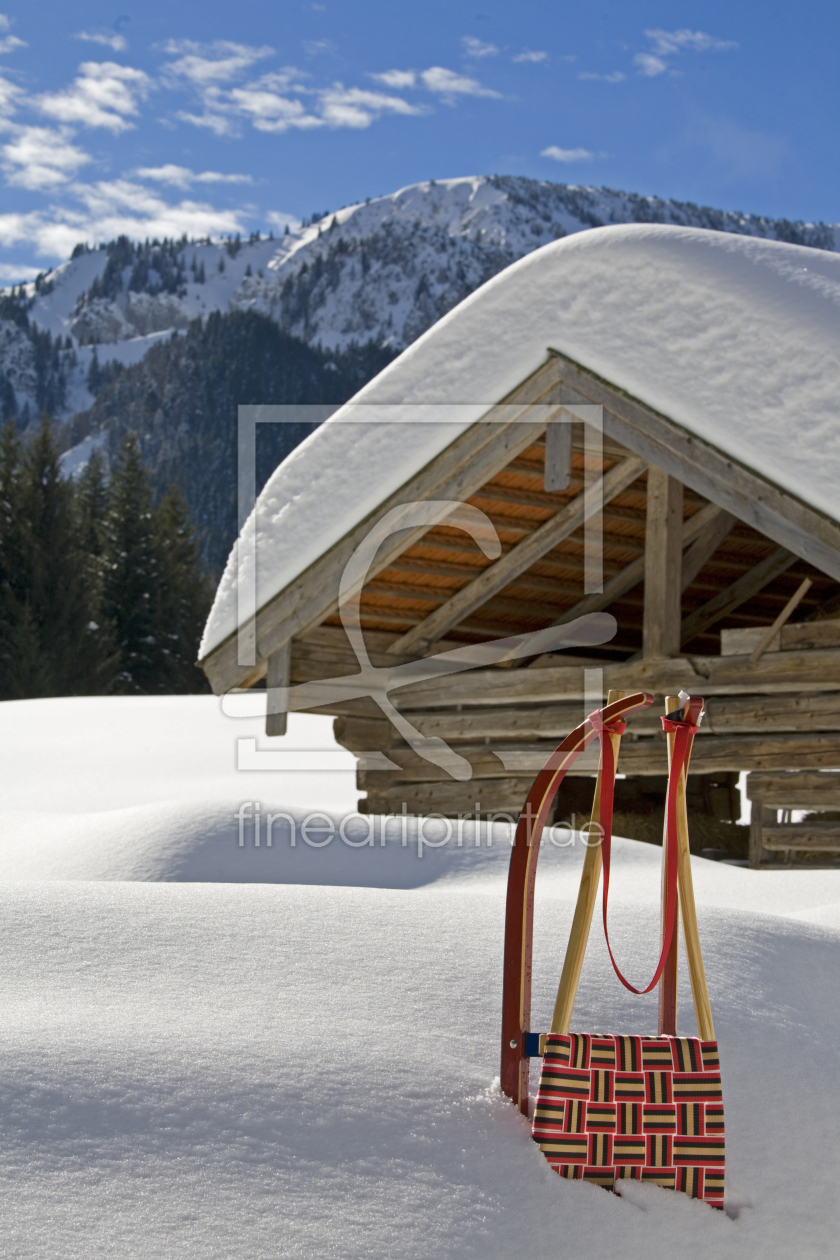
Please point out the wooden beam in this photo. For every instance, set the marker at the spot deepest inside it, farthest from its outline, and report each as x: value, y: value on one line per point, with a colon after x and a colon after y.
x: 705, y: 546
x: 279, y: 671
x: 663, y: 558
x: 772, y: 631
x: 809, y: 837
x: 770, y: 509
x: 713, y: 755
x: 520, y: 558
x: 738, y: 593
x: 558, y: 457
x: 725, y: 715
x: 775, y: 673
x: 455, y: 474
x: 803, y: 790
x: 482, y: 796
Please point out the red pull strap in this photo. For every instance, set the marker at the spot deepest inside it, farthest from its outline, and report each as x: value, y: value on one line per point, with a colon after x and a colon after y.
x: 684, y: 736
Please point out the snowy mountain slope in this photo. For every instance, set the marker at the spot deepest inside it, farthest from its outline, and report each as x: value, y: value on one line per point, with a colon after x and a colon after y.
x: 384, y: 270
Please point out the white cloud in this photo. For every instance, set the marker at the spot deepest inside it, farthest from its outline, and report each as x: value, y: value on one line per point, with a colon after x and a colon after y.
x: 103, y: 95
x: 206, y: 64
x: 219, y: 124
x: 280, y: 220
x: 568, y: 155
x: 11, y: 42
x: 670, y: 43
x: 112, y: 40
x: 318, y: 47
x: 396, y: 78
x: 477, y: 48
x: 615, y: 77
x: 9, y: 94
x: 268, y: 109
x: 449, y: 84
x: 14, y: 274
x: 528, y: 55
x: 183, y: 177
x: 352, y: 107
x: 107, y: 210
x: 335, y: 106
x: 40, y: 158
x: 665, y: 43
x: 649, y: 65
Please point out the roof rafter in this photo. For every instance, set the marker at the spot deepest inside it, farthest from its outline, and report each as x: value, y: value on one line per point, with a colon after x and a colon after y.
x: 520, y: 558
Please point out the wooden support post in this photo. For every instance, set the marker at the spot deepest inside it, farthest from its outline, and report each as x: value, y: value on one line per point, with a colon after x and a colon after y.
x: 663, y: 560
x: 668, y: 982
x: 582, y: 920
x: 279, y: 668
x: 759, y: 815
x: 558, y: 456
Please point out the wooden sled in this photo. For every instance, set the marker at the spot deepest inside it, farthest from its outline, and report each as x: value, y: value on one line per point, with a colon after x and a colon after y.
x: 519, y: 1044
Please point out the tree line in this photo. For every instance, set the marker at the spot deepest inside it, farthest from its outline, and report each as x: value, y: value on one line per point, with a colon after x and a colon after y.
x: 101, y: 589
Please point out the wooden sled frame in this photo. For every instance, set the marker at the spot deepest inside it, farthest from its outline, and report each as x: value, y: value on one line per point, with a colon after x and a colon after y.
x: 519, y: 913
x: 519, y: 1044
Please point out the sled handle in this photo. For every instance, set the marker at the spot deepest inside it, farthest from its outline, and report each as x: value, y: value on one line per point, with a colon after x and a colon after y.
x: 585, y: 906
x: 519, y: 912
x: 691, y: 934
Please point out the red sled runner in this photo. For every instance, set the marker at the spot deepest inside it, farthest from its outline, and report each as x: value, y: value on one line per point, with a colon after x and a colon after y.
x: 610, y: 1107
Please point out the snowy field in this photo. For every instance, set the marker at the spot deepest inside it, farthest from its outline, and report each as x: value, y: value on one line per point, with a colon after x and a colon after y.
x: 219, y: 1051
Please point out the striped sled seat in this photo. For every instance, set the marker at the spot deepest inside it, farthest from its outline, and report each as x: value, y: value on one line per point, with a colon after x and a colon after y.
x: 613, y: 1107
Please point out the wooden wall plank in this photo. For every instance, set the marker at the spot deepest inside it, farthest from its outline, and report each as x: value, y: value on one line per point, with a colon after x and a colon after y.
x: 725, y: 715
x: 715, y: 754
x: 776, y: 673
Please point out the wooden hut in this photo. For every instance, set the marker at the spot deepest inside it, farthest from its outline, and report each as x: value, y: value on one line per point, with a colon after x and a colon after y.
x: 687, y: 384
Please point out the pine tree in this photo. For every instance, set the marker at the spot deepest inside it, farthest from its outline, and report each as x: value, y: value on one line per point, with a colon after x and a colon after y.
x: 51, y: 640
x: 92, y: 499
x: 132, y: 574
x: 183, y: 598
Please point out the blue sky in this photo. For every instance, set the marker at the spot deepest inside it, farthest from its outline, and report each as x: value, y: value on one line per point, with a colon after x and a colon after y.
x: 215, y: 118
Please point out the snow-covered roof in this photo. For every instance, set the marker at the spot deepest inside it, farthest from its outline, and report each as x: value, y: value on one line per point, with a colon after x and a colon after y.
x: 736, y: 339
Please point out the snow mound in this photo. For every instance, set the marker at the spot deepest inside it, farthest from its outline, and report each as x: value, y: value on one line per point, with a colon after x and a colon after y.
x: 735, y: 338
x: 209, y: 1070
x: 201, y: 1061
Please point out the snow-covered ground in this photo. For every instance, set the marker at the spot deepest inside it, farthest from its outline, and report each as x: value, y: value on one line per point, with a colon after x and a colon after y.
x: 219, y: 1051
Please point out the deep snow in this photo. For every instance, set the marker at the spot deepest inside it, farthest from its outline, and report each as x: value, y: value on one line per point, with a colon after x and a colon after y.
x: 234, y: 1069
